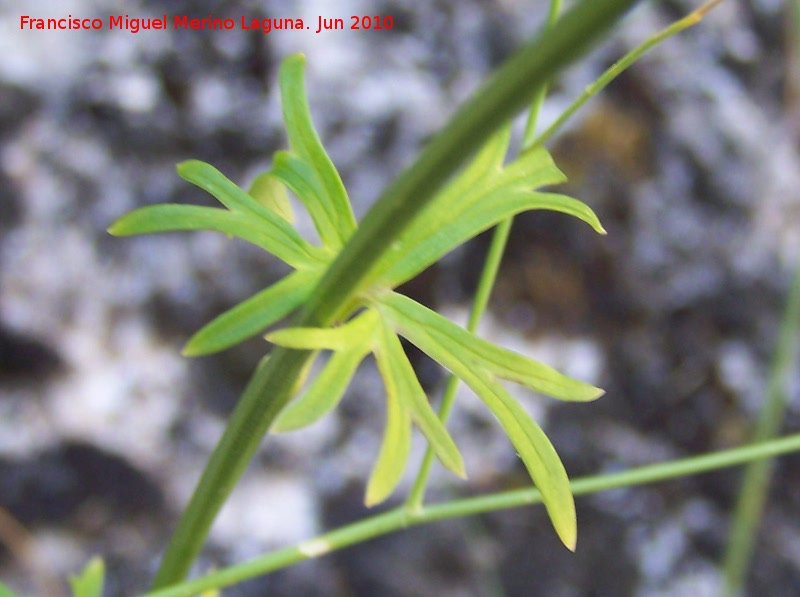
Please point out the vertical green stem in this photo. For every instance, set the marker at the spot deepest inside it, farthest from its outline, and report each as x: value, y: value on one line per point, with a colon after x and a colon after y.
x: 249, y: 422
x: 756, y: 481
x: 536, y: 105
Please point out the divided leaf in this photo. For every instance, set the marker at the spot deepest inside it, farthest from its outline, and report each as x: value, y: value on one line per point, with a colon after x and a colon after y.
x: 479, y: 198
x: 485, y: 193
x: 501, y: 362
x: 434, y: 335
x: 169, y: 217
x: 396, y: 443
x: 359, y: 332
x: 320, y: 186
x: 535, y: 450
x: 405, y: 398
x: 397, y: 366
x: 215, y: 183
x: 487, y: 163
x: 350, y: 342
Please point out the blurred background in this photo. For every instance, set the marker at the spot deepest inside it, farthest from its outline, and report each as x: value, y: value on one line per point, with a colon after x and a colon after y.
x: 691, y: 160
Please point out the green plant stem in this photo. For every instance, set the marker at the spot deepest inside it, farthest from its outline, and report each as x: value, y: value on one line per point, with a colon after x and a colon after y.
x: 538, y: 100
x: 270, y: 389
x: 242, y: 436
x: 400, y: 518
x: 755, y: 483
x: 620, y: 66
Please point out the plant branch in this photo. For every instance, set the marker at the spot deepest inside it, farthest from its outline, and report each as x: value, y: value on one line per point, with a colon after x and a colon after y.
x: 272, y: 386
x: 621, y: 66
x: 400, y: 518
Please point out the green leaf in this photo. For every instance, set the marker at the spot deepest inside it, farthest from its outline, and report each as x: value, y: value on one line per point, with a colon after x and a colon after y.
x: 423, y: 251
x: 324, y: 393
x: 479, y: 198
x: 253, y: 315
x: 168, y: 217
x: 270, y: 192
x: 302, y: 179
x: 531, y: 170
x: 351, y: 341
x: 409, y: 315
x: 393, y: 455
x: 486, y: 164
x: 396, y: 365
x: 214, y: 182
x: 535, y: 450
x: 396, y: 443
x: 358, y: 332
x: 560, y: 203
x: 89, y: 583
x: 329, y: 206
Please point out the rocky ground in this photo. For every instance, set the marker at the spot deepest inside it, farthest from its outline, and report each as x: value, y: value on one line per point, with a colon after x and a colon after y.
x: 691, y: 160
